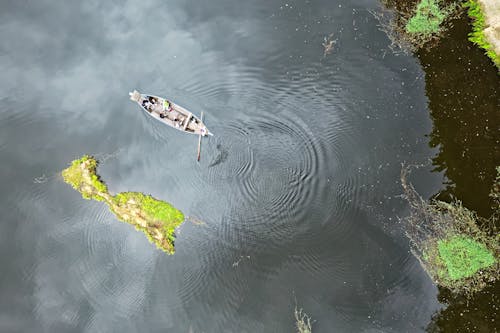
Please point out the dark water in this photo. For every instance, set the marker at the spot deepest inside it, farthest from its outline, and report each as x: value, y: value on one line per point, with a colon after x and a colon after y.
x: 298, y: 191
x: 463, y: 88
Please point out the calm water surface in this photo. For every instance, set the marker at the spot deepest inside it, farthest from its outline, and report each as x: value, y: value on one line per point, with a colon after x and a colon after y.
x: 298, y: 190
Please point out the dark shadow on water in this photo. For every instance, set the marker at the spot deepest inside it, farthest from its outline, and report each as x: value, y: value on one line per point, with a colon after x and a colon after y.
x: 463, y: 89
x: 221, y: 157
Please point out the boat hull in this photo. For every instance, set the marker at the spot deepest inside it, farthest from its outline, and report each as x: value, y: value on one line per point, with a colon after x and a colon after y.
x: 170, y: 114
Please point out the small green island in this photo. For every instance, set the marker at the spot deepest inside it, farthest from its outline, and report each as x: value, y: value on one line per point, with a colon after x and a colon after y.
x: 157, y: 219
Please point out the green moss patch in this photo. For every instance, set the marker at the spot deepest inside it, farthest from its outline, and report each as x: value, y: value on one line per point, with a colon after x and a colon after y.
x: 75, y: 176
x: 427, y: 19
x: 156, y: 218
x: 162, y: 218
x: 417, y: 24
x: 463, y: 256
x: 447, y: 239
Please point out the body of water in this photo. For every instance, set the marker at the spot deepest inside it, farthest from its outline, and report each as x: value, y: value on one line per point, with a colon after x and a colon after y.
x: 298, y: 191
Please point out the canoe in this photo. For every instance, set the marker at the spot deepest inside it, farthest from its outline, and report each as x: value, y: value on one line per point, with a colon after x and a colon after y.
x: 169, y: 113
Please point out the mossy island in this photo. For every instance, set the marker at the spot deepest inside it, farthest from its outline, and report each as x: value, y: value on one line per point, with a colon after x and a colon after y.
x: 452, y: 248
x: 157, y: 219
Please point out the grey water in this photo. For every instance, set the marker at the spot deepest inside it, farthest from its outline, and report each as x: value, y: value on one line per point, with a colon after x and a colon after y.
x: 298, y: 191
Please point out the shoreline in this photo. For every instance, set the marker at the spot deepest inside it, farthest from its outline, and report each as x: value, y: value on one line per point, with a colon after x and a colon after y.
x: 486, y: 27
x: 491, y: 10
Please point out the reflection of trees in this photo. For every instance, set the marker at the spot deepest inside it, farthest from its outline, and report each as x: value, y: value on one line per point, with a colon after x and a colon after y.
x: 463, y: 89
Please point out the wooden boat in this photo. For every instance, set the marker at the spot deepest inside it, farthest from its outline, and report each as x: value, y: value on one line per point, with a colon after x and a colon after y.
x: 170, y: 113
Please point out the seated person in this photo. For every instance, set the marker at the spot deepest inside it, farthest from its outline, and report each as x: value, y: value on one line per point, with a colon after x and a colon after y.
x: 167, y: 106
x: 147, y: 105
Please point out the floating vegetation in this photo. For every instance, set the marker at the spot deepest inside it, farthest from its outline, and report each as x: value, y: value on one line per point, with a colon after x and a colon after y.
x: 477, y: 36
x: 446, y: 239
x: 427, y: 19
x: 328, y: 43
x: 416, y: 24
x: 157, y: 219
x: 302, y: 321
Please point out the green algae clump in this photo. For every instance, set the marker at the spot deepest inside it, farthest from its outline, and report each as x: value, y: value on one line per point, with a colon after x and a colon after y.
x: 463, y: 256
x: 417, y: 24
x: 157, y: 219
x: 87, y: 183
x: 427, y: 19
x: 448, y: 241
x: 457, y: 257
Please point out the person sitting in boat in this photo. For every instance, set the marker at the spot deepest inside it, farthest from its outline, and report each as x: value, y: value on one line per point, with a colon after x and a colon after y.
x: 167, y: 106
x: 147, y: 105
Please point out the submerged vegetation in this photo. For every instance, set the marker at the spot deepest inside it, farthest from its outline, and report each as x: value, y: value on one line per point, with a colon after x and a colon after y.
x: 302, y: 321
x: 157, y: 219
x: 451, y: 247
x: 477, y: 35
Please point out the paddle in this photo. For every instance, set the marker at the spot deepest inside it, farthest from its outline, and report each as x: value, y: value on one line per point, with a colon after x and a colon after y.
x: 199, y: 139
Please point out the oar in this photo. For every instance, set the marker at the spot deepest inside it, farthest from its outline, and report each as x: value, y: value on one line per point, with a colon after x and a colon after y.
x: 199, y: 139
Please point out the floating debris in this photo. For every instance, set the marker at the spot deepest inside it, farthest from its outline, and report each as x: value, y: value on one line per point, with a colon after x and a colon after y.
x: 328, y: 43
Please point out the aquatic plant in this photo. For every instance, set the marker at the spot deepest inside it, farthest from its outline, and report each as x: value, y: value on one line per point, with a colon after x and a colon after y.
x: 302, y: 321
x: 477, y: 35
x: 157, y: 219
x: 90, y: 188
x: 427, y: 19
x: 463, y: 256
x: 449, y: 244
x: 416, y: 24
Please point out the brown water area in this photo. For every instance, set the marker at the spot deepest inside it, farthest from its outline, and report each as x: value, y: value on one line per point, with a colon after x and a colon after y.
x: 463, y: 88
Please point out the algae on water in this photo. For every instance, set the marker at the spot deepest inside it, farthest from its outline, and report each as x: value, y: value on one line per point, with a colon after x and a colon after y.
x: 449, y: 244
x: 157, y: 219
x: 463, y: 256
x: 417, y: 24
x: 427, y: 19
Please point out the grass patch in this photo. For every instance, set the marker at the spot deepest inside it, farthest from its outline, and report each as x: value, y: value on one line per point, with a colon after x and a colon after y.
x: 89, y: 188
x: 156, y: 218
x: 416, y: 24
x: 427, y: 19
x: 463, y: 256
x: 478, y: 25
x: 161, y: 217
x: 449, y: 244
